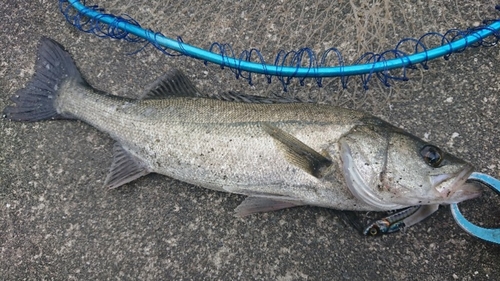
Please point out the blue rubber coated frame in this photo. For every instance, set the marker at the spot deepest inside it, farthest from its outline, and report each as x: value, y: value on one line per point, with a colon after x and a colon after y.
x: 488, y: 234
x: 334, y: 71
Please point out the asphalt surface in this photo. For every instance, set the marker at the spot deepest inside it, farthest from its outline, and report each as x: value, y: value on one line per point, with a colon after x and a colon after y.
x: 58, y: 223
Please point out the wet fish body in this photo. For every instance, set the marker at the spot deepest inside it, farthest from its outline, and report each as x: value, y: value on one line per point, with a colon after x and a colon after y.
x: 218, y: 144
x: 280, y: 153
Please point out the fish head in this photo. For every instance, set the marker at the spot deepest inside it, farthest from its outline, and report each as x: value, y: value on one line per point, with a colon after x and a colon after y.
x: 389, y: 168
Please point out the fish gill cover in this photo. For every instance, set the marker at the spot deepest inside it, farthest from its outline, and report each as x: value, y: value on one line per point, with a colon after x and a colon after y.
x: 301, y: 63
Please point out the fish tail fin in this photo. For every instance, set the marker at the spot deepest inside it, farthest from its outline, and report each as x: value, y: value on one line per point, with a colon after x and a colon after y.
x: 37, y: 101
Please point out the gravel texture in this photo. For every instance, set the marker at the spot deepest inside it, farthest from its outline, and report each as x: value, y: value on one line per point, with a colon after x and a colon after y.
x: 58, y: 223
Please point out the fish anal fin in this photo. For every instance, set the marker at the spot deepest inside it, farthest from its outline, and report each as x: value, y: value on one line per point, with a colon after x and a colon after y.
x: 299, y: 153
x: 125, y: 168
x: 257, y: 204
x: 172, y: 84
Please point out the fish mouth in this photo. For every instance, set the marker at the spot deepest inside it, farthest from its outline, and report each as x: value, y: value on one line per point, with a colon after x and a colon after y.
x: 454, y: 187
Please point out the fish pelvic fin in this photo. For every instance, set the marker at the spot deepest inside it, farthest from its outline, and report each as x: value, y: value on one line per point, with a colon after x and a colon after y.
x: 37, y: 101
x: 125, y: 168
x: 299, y: 153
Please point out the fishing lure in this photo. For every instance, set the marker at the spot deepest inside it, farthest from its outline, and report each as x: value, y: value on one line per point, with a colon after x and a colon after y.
x: 401, y: 219
x: 391, y: 223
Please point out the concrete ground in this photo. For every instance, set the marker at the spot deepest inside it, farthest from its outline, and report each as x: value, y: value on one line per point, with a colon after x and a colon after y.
x: 58, y: 223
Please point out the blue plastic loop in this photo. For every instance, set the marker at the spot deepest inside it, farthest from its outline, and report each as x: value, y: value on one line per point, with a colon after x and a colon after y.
x: 488, y: 234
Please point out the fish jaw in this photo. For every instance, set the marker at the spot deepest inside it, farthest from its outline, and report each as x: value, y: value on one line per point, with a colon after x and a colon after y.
x: 455, y: 188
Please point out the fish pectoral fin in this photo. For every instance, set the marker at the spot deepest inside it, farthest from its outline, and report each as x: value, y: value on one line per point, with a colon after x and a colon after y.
x: 125, y: 168
x: 172, y: 84
x: 299, y: 153
x: 257, y: 204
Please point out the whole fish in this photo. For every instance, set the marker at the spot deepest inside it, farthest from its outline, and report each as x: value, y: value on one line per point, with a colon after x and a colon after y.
x: 279, y: 152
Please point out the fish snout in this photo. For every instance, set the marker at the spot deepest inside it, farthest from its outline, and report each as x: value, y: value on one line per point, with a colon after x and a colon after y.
x: 456, y: 187
x: 469, y: 190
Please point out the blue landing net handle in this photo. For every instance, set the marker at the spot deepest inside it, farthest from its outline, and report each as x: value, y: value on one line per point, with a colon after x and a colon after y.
x: 488, y: 234
x: 287, y: 71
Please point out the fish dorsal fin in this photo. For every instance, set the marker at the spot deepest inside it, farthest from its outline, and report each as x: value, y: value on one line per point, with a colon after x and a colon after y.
x: 125, y: 168
x: 258, y: 204
x: 171, y: 84
x: 240, y: 97
x: 299, y: 153
x: 175, y: 83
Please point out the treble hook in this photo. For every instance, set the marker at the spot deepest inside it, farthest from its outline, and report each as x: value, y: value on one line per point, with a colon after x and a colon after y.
x: 488, y: 234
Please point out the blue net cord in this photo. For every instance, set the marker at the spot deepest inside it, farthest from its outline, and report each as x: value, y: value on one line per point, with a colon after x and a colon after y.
x: 287, y: 65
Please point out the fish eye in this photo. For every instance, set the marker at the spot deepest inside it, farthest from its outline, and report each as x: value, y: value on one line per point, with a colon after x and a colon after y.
x: 432, y: 155
x: 373, y: 231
